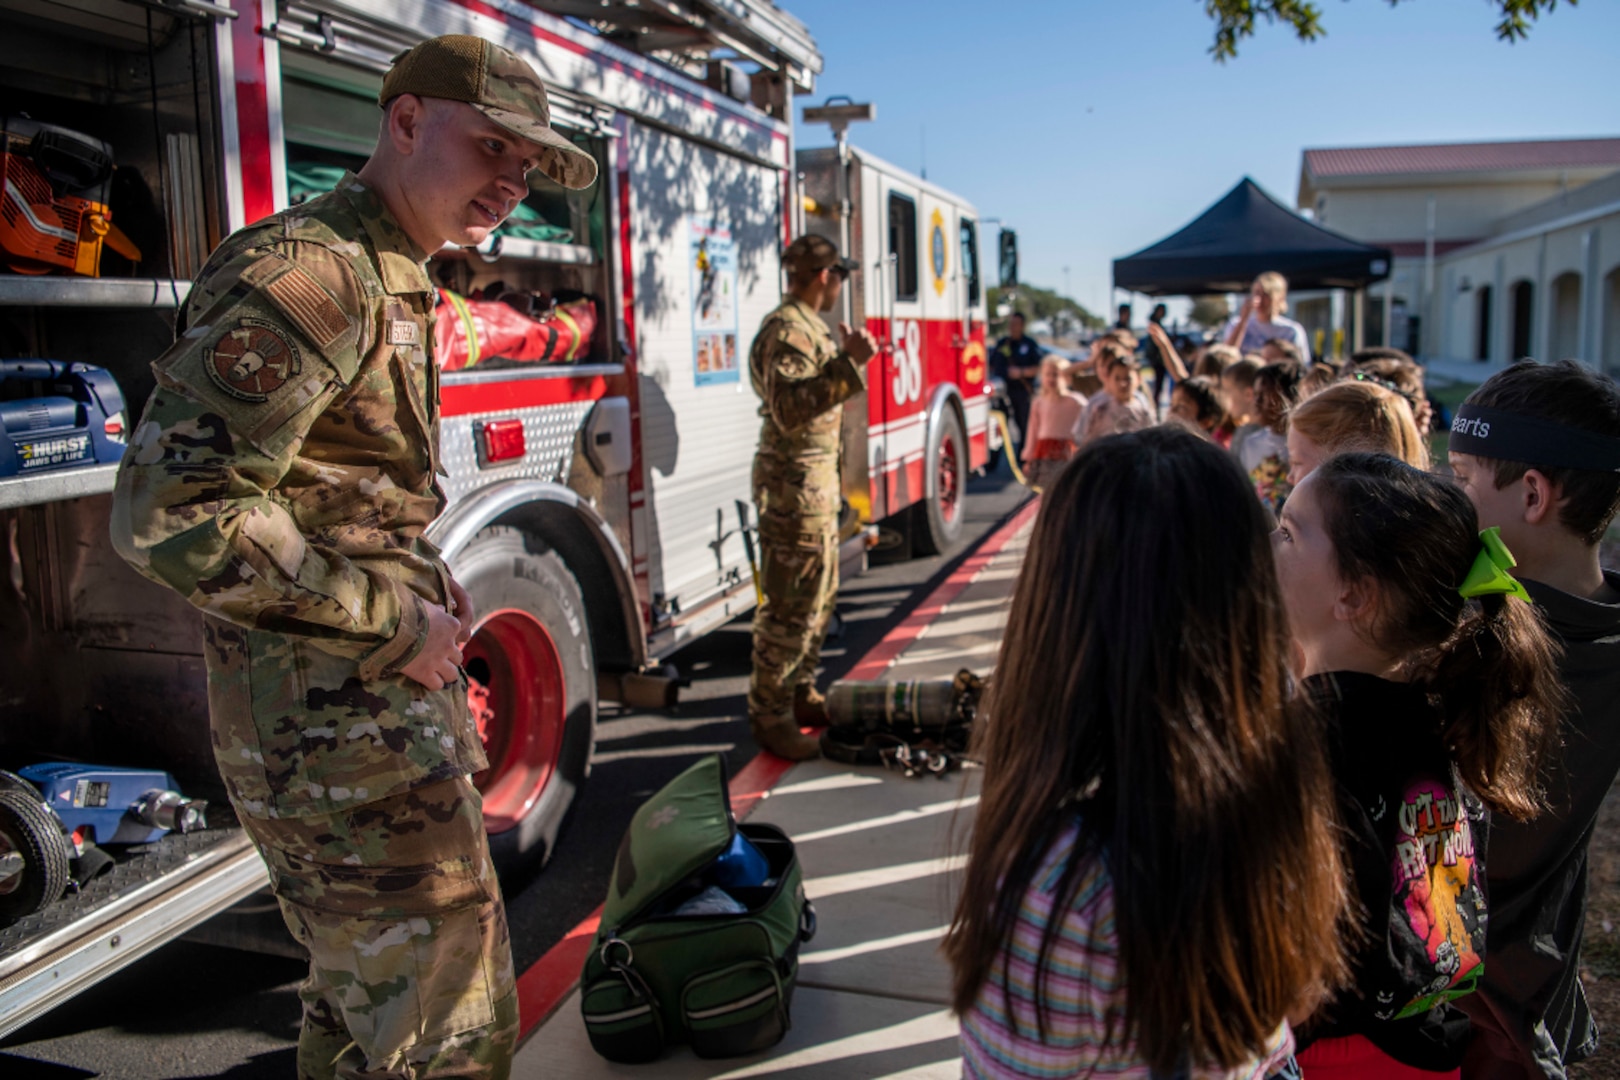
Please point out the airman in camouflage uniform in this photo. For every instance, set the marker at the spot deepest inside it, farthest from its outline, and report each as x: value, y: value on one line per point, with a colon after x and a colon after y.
x: 281, y: 479
x: 802, y: 378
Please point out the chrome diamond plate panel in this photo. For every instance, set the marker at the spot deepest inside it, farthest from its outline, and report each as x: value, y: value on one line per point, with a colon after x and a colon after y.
x: 548, y: 431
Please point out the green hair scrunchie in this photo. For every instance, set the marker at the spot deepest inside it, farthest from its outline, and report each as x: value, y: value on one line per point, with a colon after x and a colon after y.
x: 1489, y: 575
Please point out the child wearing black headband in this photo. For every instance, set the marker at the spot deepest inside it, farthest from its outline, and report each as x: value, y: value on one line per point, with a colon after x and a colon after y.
x: 1537, y: 449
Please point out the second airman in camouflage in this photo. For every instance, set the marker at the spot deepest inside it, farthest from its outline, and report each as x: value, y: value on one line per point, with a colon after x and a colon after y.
x: 802, y: 378
x: 281, y: 479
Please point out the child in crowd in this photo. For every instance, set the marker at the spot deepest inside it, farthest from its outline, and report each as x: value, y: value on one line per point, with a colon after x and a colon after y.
x: 1084, y: 375
x: 1400, y: 373
x: 1277, y: 350
x: 1123, y: 338
x: 1197, y: 403
x: 1119, y: 405
x: 1150, y: 811
x: 1320, y: 375
x: 1422, y: 692
x: 1172, y: 366
x: 1537, y: 449
x: 1237, y: 387
x: 1052, y: 419
x: 1215, y: 360
x: 1264, y: 454
x: 1191, y: 351
x: 1083, y: 380
x: 1351, y: 416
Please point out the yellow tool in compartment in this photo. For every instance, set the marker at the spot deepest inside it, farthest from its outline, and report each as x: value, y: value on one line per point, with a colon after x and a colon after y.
x: 54, y: 217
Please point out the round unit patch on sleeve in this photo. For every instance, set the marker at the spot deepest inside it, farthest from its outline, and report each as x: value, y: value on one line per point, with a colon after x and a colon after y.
x: 253, y: 360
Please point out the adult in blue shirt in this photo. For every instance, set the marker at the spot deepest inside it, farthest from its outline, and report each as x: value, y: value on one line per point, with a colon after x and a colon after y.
x: 1016, y: 361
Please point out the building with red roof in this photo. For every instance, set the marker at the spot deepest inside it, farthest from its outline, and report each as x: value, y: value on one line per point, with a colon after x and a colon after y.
x: 1502, y: 249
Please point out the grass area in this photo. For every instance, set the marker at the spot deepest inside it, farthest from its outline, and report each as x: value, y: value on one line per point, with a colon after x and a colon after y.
x: 1600, y: 951
x: 1450, y: 393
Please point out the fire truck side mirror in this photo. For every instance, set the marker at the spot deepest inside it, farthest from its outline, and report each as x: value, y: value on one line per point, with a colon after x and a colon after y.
x: 1008, y: 250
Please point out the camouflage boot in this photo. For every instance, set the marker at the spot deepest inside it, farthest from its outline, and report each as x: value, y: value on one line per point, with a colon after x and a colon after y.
x: 809, y: 706
x: 782, y: 737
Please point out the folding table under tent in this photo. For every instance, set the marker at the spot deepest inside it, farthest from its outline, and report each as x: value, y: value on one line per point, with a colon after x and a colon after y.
x: 1245, y: 234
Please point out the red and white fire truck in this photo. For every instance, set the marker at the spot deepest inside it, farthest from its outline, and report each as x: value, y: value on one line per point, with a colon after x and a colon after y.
x: 926, y: 421
x: 599, y: 502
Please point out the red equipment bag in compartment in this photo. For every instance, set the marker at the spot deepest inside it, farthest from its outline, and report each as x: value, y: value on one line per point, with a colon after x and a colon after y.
x: 471, y: 331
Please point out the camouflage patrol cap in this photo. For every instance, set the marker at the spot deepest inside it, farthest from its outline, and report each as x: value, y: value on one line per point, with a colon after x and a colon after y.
x: 812, y: 252
x: 498, y: 83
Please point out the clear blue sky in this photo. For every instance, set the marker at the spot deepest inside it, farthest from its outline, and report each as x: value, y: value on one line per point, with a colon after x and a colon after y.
x: 1095, y: 127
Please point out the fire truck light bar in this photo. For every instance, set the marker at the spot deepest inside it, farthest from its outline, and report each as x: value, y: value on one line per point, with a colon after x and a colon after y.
x: 501, y: 440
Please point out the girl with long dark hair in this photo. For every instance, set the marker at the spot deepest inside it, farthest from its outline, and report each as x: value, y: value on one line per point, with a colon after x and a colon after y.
x: 1153, y: 884
x: 1438, y: 689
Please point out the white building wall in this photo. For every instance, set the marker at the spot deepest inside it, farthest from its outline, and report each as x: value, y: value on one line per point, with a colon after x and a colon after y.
x: 1462, y: 211
x: 1586, y: 242
x: 1589, y: 330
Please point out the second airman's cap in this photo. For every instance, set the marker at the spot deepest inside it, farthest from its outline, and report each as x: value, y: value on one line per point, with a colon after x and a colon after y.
x: 498, y: 83
x: 811, y: 252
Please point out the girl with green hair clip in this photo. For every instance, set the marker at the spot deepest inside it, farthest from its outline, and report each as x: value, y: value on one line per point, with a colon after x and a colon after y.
x: 1438, y: 690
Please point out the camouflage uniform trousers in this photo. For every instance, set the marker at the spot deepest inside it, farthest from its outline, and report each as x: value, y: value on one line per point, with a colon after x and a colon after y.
x: 410, y: 974
x: 798, y: 584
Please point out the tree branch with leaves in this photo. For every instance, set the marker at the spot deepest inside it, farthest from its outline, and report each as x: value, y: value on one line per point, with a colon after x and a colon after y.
x: 1235, y: 20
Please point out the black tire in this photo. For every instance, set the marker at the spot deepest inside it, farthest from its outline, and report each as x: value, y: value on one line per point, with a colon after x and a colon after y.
x: 30, y: 830
x: 516, y: 580
x: 939, y: 517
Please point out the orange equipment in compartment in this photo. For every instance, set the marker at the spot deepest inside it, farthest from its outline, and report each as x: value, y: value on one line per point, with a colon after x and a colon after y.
x: 53, y: 200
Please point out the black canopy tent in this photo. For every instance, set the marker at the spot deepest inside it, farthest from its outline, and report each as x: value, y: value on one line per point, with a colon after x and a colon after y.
x: 1242, y: 236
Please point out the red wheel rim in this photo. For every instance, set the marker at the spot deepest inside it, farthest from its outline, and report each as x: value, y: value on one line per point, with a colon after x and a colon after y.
x: 517, y: 696
x: 948, y: 482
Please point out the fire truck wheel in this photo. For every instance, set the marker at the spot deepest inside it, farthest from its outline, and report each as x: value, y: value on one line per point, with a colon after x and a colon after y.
x: 33, y: 855
x: 939, y: 516
x: 532, y: 686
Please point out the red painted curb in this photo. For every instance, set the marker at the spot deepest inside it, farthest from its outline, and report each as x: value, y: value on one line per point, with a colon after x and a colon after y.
x: 896, y: 641
x: 755, y: 780
x: 553, y: 977
x: 547, y: 984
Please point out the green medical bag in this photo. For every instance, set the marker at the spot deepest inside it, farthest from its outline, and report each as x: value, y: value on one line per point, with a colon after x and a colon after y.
x: 721, y: 982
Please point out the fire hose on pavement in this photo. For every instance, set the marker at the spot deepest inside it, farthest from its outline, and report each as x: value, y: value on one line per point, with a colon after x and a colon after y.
x: 1007, y: 444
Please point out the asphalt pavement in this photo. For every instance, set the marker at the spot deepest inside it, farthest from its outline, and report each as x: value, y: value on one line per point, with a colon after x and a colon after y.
x: 194, y: 1010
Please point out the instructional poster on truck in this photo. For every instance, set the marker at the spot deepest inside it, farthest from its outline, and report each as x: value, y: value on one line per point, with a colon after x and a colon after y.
x: 714, y: 303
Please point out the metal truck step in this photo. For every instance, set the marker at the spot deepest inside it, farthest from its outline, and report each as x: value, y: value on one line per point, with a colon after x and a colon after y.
x: 153, y: 896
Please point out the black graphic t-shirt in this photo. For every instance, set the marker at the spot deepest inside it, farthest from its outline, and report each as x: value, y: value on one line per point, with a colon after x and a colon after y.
x: 1418, y: 874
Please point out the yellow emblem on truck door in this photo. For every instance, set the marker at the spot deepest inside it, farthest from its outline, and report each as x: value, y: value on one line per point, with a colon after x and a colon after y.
x: 938, y: 257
